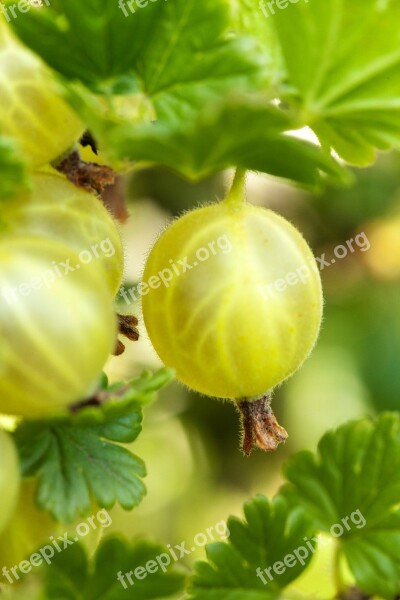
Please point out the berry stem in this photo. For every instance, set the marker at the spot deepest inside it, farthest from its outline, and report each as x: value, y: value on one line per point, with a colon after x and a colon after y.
x: 259, y: 425
x: 237, y: 193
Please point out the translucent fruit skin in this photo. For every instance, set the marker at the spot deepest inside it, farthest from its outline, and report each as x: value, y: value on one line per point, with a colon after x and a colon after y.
x: 32, y: 110
x: 58, y: 209
x: 54, y: 339
x: 218, y: 324
x: 9, y: 478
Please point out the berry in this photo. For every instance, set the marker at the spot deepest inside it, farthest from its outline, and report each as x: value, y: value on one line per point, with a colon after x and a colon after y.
x: 32, y: 109
x: 58, y: 209
x: 9, y: 478
x: 57, y: 327
x: 232, y: 326
x: 232, y: 300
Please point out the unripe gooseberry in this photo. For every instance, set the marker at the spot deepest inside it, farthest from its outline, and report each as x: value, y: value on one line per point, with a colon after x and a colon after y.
x: 9, y: 478
x: 238, y: 320
x: 56, y: 208
x: 32, y: 109
x: 234, y: 304
x: 57, y: 327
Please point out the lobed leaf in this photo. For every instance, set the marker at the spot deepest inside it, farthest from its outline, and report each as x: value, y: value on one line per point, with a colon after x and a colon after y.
x: 72, y: 577
x: 79, y: 460
x: 343, y: 58
x: 354, y: 477
x: 271, y: 532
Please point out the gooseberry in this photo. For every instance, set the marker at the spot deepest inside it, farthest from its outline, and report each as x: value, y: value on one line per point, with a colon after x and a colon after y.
x: 32, y: 109
x: 9, y: 478
x: 233, y: 300
x: 57, y: 327
x: 58, y: 209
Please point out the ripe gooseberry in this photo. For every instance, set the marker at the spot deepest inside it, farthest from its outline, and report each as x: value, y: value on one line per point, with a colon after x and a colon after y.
x: 238, y: 304
x: 32, y: 109
x: 56, y: 208
x: 57, y: 327
x: 9, y: 478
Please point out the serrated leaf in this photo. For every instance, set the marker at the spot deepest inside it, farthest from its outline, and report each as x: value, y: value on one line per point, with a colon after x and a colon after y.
x: 100, y: 579
x: 271, y: 532
x: 243, y: 133
x: 180, y: 54
x: 246, y: 18
x: 67, y: 574
x: 92, y: 41
x: 343, y: 58
x: 79, y: 460
x: 13, y: 170
x: 355, y: 475
x: 76, y: 464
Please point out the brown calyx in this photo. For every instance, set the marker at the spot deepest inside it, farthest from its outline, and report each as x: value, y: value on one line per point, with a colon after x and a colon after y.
x: 90, y: 176
x: 127, y: 326
x: 259, y: 425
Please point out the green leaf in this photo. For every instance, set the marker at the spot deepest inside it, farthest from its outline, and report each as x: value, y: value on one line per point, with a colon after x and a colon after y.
x: 246, y: 17
x: 243, y: 133
x: 353, y: 483
x: 14, y: 177
x: 76, y: 460
x: 71, y: 577
x: 76, y: 465
x: 272, y: 531
x: 184, y: 69
x: 67, y: 575
x: 143, y: 390
x: 92, y: 41
x: 179, y: 54
x: 343, y: 57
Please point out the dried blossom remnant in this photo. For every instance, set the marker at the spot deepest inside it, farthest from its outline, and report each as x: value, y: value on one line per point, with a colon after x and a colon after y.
x: 89, y: 176
x: 119, y: 348
x: 127, y: 326
x: 260, y: 427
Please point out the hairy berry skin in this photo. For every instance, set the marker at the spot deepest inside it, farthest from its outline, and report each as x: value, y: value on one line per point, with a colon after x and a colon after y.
x: 55, y: 337
x: 57, y: 209
x: 213, y: 322
x: 9, y: 478
x: 32, y: 110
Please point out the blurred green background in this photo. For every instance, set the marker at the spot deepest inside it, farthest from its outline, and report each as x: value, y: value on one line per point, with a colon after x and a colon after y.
x: 196, y: 473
